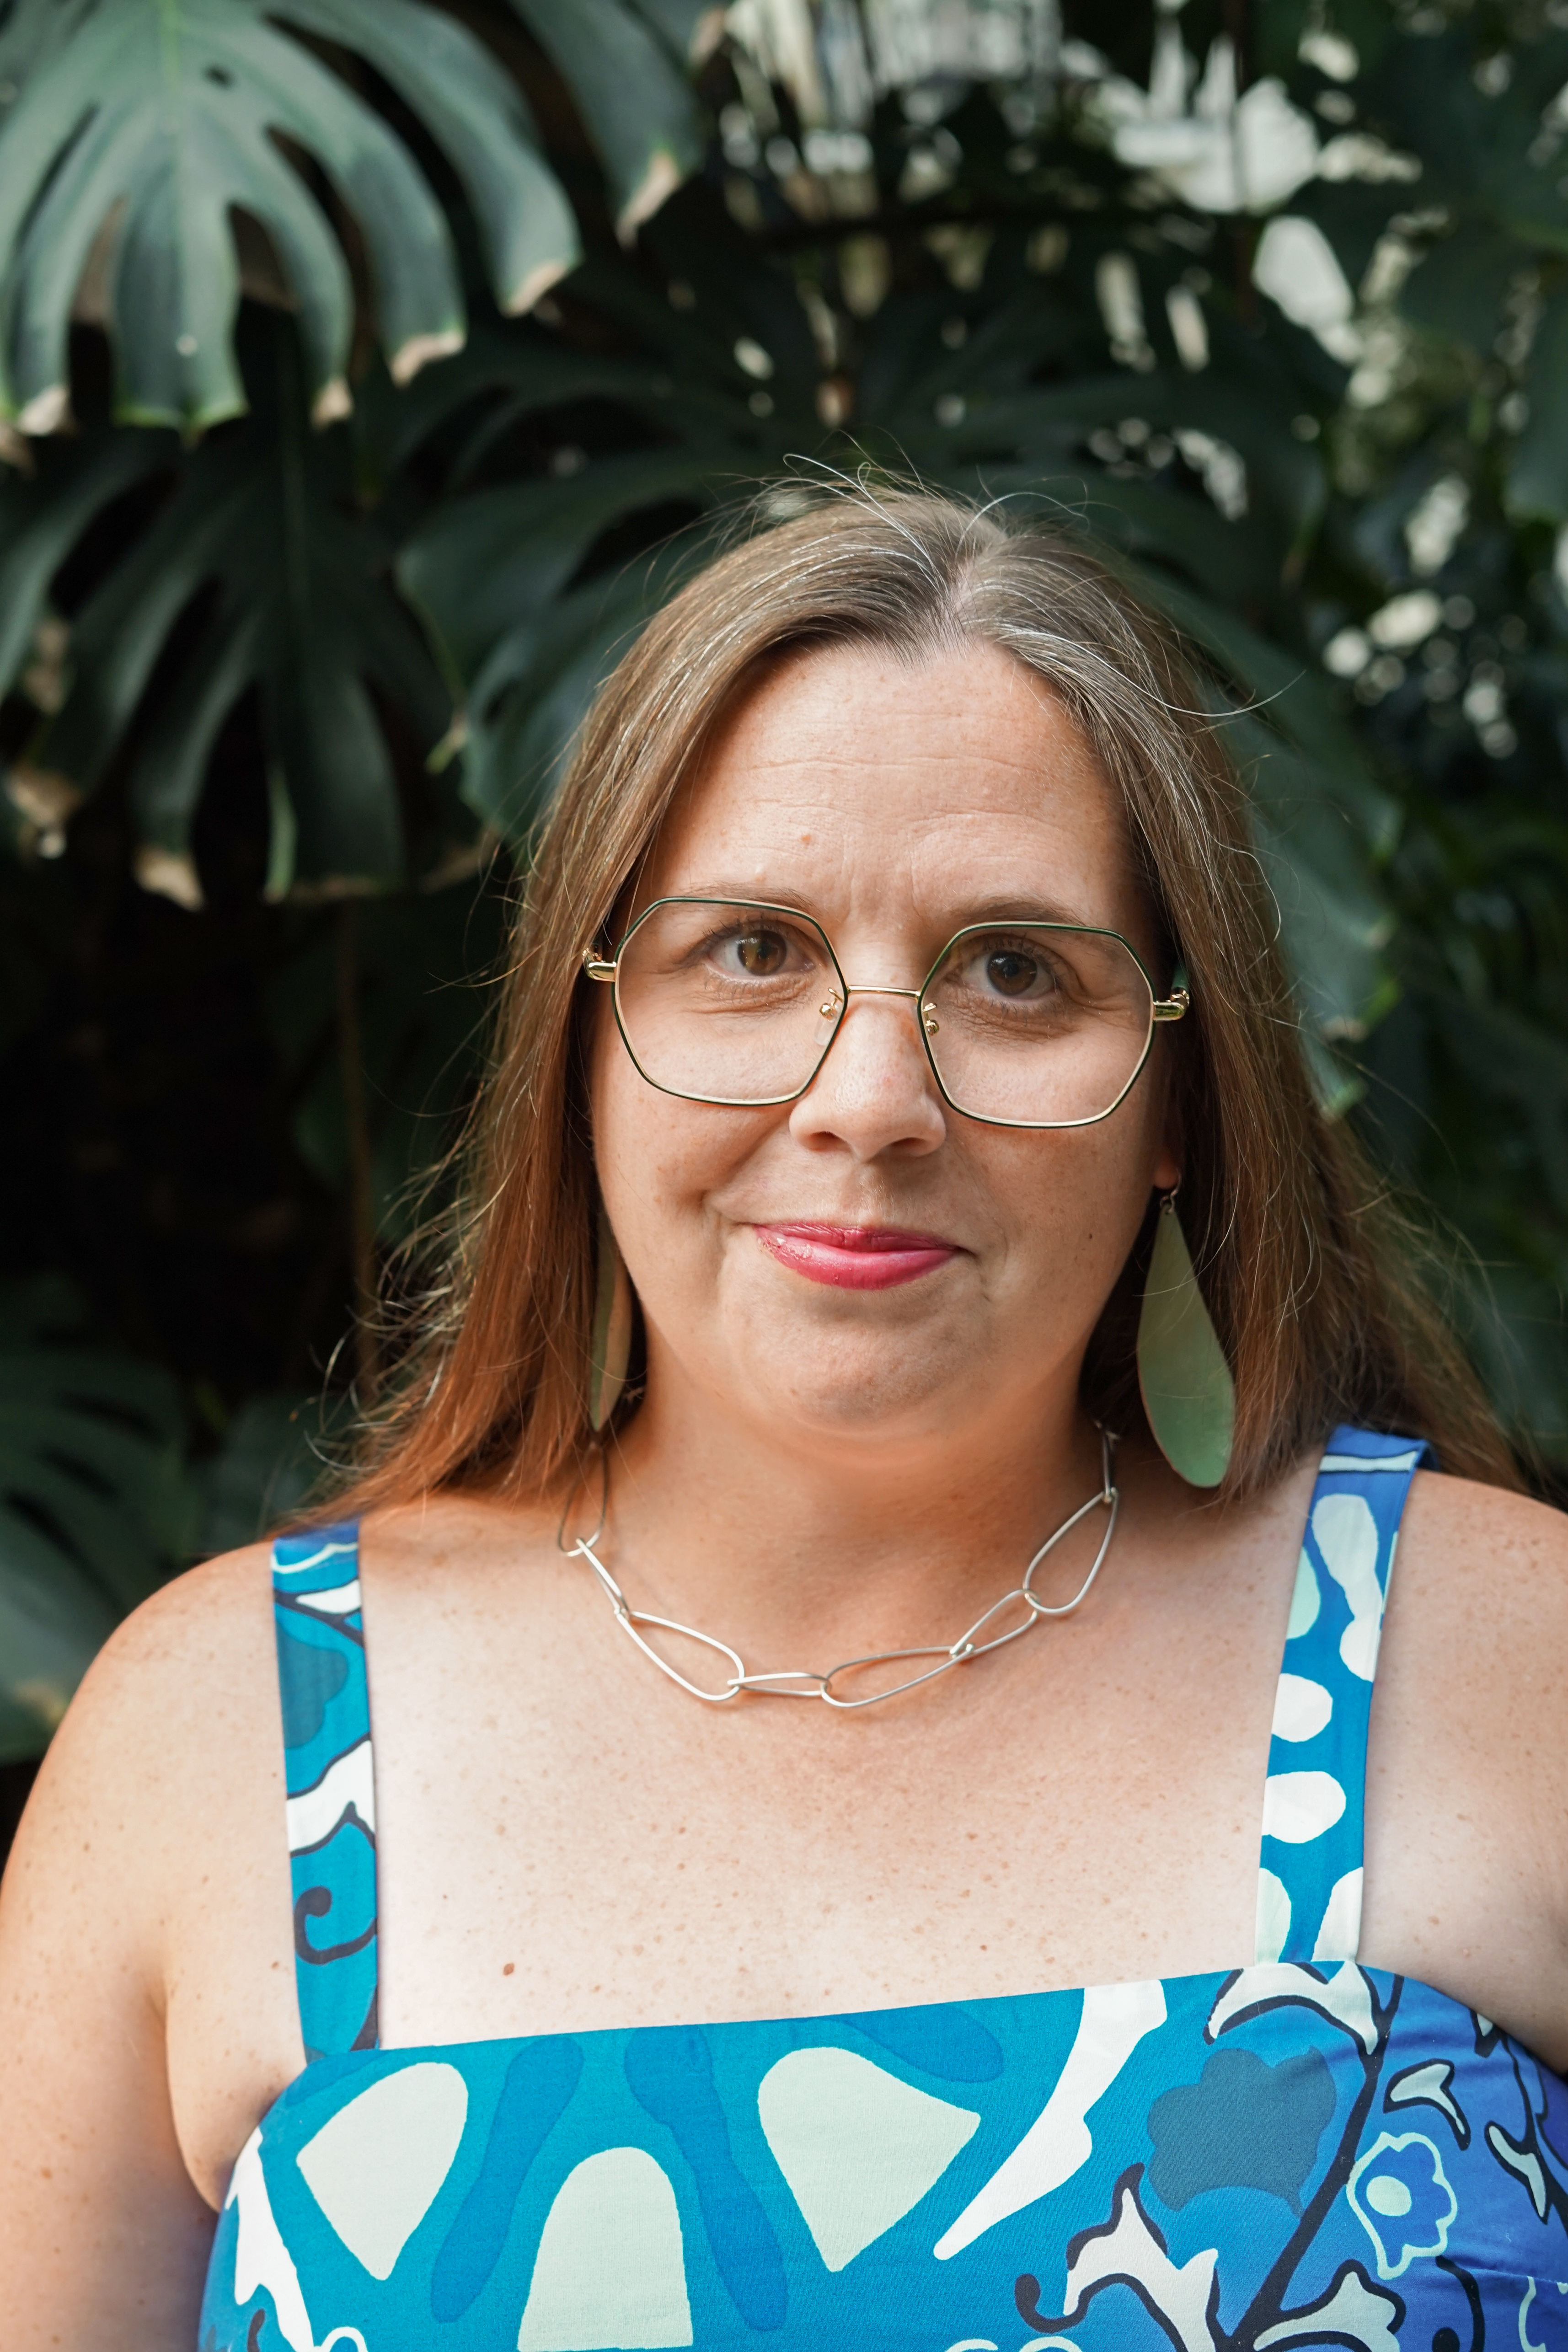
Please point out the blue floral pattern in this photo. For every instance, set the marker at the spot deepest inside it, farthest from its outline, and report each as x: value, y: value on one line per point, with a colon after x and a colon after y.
x: 1298, y: 2152
x: 1400, y: 2194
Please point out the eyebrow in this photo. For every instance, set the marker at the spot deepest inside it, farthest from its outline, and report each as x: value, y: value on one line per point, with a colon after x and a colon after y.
x: 1026, y: 907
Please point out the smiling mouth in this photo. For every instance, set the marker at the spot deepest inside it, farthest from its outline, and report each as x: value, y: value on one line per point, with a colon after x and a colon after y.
x: 855, y: 1257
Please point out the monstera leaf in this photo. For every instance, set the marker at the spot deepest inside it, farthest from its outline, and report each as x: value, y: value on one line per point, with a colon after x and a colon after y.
x: 622, y: 63
x: 42, y: 517
x: 138, y: 128
x: 96, y: 1509
x: 262, y: 570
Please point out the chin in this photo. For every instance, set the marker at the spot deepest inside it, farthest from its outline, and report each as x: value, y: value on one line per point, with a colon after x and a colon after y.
x: 856, y: 1421
x: 872, y: 1385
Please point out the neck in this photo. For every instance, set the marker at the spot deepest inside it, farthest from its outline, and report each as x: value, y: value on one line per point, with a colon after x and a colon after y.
x: 823, y: 1542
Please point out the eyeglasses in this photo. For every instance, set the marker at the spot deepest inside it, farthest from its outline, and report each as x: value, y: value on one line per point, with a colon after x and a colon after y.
x: 738, y: 1002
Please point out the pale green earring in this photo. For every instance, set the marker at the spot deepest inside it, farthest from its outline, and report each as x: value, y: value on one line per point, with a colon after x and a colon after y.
x: 1188, y: 1395
x: 611, y: 1350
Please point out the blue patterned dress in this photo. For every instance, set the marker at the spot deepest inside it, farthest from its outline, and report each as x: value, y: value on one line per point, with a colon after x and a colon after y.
x: 1299, y: 2152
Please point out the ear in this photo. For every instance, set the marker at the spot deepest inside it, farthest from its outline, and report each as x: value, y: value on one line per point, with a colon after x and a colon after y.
x: 1171, y: 1153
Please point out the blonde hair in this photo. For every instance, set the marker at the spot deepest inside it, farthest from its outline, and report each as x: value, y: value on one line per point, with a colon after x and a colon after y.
x: 1302, y: 1265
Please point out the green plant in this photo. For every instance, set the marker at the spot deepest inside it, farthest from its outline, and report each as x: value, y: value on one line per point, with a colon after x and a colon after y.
x: 146, y: 152
x: 96, y: 1503
x: 160, y: 140
x: 256, y: 569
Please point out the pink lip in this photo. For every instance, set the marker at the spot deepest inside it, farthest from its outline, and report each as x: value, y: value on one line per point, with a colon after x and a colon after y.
x: 855, y: 1257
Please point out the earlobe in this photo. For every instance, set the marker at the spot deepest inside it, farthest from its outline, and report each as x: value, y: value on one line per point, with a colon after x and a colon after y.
x: 1166, y: 1174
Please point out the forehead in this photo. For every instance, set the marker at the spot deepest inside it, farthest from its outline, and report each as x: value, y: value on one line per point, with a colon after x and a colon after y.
x: 855, y: 783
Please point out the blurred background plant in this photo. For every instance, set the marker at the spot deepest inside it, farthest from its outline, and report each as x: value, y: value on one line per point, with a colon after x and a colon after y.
x: 370, y: 368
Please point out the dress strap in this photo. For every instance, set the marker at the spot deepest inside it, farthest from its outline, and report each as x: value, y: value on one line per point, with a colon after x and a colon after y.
x: 1314, y: 1800
x: 331, y: 1781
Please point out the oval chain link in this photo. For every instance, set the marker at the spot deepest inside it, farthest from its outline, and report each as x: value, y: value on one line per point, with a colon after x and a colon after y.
x: 802, y: 1682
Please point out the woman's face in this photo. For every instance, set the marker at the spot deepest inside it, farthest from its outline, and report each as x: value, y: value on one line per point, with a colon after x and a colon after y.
x: 894, y: 803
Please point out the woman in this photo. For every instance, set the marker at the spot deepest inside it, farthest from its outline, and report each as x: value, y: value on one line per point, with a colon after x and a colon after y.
x: 896, y: 992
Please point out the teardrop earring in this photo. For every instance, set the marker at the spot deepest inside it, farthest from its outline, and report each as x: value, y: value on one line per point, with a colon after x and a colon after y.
x: 1188, y: 1395
x: 611, y: 1350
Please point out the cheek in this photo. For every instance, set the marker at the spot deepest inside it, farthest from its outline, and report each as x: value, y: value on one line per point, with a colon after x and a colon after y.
x: 1081, y: 1189
x: 1082, y: 1174
x: 660, y: 1159
x: 1072, y: 1205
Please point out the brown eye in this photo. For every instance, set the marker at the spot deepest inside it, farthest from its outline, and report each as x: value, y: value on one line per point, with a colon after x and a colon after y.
x: 761, y: 953
x: 1010, y: 973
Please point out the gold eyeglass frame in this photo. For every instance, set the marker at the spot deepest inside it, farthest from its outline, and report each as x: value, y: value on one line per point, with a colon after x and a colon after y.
x: 606, y: 971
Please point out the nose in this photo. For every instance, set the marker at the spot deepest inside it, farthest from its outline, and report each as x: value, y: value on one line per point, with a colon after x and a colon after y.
x: 875, y: 1092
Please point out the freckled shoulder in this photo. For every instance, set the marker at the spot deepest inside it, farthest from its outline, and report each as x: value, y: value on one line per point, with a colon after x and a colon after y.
x: 1487, y: 1556
x: 188, y: 1677
x: 190, y: 1654
x: 1478, y: 1645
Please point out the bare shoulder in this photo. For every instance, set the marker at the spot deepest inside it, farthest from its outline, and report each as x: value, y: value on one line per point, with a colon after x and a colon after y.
x: 186, y: 1677
x: 1477, y: 1629
x: 1487, y: 1554
x: 1467, y: 1771
x: 189, y: 1652
x: 143, y: 1833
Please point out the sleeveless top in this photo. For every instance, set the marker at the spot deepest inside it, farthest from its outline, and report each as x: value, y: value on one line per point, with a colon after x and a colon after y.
x: 1295, y: 2152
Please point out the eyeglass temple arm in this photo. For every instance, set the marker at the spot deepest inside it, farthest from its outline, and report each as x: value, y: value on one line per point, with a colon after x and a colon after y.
x: 1172, y: 1007
x: 598, y: 967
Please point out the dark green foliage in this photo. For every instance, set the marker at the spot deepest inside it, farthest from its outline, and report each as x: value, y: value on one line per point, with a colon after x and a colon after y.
x: 96, y: 1503
x: 174, y: 111
x: 178, y: 1135
x: 422, y: 1017
x: 257, y: 568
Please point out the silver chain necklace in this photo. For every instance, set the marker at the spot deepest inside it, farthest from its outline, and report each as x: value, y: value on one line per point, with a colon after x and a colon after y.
x: 801, y: 1682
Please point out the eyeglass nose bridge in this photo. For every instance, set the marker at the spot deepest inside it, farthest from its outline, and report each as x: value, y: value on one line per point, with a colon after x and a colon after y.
x: 929, y: 1020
